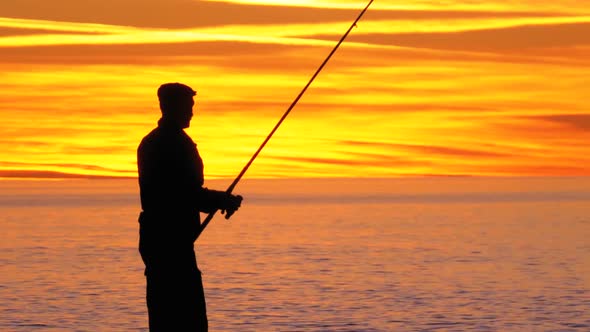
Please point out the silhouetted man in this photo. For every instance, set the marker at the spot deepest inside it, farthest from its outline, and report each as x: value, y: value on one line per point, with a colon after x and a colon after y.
x: 172, y: 195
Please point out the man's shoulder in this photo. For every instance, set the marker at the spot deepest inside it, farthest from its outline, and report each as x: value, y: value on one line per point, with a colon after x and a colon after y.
x: 160, y: 137
x: 150, y: 138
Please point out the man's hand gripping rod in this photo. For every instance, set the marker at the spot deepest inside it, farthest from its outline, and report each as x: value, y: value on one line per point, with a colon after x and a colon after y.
x: 239, y: 177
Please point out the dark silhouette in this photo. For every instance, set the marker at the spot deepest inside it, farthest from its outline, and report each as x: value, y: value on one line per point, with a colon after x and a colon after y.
x: 172, y: 195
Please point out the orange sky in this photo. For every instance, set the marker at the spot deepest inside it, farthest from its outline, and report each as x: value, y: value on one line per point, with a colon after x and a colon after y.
x: 420, y: 87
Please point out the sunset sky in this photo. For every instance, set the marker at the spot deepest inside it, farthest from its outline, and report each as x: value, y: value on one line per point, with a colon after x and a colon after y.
x: 419, y: 88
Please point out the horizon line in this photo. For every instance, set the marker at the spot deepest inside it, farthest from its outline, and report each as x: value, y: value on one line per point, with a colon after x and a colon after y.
x: 60, y: 176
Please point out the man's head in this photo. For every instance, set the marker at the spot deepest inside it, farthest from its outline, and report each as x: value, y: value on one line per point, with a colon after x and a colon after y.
x: 176, y: 103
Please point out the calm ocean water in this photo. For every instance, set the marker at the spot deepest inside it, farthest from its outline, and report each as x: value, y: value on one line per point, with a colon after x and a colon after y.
x: 435, y: 254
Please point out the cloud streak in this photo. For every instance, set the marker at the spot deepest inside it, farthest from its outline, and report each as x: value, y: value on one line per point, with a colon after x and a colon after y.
x: 178, y: 14
x: 578, y: 122
x: 40, y: 174
x: 427, y: 149
x: 511, y: 39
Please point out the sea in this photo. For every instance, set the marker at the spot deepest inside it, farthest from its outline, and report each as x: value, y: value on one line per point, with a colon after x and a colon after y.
x: 402, y: 254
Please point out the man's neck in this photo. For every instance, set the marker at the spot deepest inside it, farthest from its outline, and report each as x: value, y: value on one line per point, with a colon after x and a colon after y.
x: 169, y: 124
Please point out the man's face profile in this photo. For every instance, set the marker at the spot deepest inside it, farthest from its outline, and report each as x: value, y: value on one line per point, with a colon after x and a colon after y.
x: 182, y: 111
x: 185, y: 111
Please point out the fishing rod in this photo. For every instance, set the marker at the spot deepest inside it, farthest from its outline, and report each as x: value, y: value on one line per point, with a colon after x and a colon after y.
x: 239, y: 177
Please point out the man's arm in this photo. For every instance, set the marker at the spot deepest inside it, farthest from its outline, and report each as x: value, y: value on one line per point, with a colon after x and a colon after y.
x: 209, y: 200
